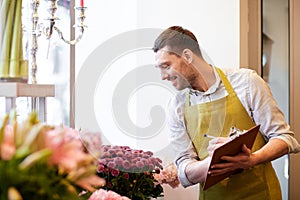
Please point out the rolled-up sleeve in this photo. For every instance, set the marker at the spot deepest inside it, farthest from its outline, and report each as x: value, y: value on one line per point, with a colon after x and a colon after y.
x: 267, y: 113
x: 179, y: 139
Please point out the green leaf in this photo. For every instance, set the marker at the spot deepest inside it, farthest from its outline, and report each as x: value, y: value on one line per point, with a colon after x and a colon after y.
x: 2, y: 127
x: 35, y: 157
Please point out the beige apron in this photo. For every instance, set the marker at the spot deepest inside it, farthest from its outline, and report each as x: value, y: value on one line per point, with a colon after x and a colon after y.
x: 216, y: 118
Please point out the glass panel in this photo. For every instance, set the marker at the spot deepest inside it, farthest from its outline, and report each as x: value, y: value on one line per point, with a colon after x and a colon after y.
x: 53, y: 66
x: 275, y: 67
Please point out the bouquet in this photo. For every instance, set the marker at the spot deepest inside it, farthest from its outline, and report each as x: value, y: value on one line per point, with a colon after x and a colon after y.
x: 130, y: 172
x: 168, y: 176
x: 39, y: 161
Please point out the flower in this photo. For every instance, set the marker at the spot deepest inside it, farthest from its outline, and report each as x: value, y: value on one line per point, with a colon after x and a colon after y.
x: 38, y: 161
x: 102, y: 194
x: 168, y: 176
x: 130, y: 172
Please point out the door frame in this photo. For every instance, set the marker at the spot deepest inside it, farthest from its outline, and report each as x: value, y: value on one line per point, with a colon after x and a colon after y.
x: 250, y: 57
x: 294, y: 178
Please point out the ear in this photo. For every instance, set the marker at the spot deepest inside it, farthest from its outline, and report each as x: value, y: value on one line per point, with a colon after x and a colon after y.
x: 187, y: 54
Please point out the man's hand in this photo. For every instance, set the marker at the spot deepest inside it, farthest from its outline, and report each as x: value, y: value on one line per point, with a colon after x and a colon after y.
x: 216, y: 143
x: 243, y: 160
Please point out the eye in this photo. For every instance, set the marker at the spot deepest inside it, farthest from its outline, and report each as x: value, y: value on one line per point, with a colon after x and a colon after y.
x: 165, y: 67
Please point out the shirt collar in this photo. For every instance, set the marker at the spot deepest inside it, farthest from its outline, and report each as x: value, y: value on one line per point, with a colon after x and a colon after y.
x: 212, y: 88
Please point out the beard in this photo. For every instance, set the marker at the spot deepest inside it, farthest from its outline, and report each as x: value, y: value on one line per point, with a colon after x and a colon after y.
x: 187, y: 78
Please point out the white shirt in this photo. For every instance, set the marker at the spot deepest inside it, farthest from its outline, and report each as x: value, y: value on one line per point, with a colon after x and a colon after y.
x: 256, y: 97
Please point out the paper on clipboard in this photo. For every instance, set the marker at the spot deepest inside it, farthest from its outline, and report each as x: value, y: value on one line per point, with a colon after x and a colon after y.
x: 231, y: 148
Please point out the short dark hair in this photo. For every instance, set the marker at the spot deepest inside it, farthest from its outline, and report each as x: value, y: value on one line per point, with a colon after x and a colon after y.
x: 177, y: 39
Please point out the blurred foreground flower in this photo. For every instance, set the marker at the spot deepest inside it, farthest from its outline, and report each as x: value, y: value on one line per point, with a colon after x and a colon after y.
x: 106, y: 195
x: 39, y: 161
x: 130, y: 172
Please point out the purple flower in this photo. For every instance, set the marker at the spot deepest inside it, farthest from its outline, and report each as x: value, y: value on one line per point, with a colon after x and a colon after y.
x: 119, y: 153
x: 102, y: 161
x: 146, y: 156
x: 109, y: 184
x: 151, y: 166
x: 127, y: 155
x: 106, y: 155
x: 106, y: 170
x: 126, y: 175
x: 145, y: 161
x: 126, y: 164
x: 111, y: 164
x: 140, y: 164
x: 149, y: 153
x: 115, y: 172
x: 100, y: 168
x: 118, y: 161
x: 112, y: 152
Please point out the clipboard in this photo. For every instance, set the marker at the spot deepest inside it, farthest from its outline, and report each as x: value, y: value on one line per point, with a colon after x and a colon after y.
x: 231, y: 148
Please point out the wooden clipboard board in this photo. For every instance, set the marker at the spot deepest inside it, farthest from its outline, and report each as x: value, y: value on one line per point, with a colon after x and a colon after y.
x: 231, y: 148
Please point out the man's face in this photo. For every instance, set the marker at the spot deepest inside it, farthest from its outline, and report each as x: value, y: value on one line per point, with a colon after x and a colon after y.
x: 174, y: 68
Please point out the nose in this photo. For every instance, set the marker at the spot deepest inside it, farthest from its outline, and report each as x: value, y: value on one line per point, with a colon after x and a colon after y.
x: 164, y: 75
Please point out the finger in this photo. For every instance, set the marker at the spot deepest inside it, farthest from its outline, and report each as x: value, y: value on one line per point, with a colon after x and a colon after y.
x: 221, y: 166
x: 242, y: 157
x: 218, y: 140
x: 246, y: 150
x: 217, y: 172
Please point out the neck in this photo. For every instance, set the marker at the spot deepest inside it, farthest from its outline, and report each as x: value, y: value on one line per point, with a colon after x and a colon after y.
x: 206, y: 77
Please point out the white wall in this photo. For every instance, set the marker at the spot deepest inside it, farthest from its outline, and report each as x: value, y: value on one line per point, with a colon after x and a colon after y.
x: 108, y: 53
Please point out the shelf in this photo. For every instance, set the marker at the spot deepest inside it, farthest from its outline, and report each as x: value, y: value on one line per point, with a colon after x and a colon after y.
x: 37, y: 92
x: 26, y: 90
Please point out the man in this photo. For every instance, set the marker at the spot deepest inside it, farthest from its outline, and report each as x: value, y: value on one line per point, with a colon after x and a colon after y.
x: 211, y: 101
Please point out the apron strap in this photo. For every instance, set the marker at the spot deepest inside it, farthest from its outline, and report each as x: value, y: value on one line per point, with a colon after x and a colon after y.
x: 187, y: 98
x: 225, y: 81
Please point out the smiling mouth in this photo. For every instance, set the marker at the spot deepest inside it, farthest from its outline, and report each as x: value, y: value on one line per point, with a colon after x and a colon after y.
x: 172, y: 78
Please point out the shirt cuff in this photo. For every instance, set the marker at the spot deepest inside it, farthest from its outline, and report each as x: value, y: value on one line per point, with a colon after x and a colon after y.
x: 182, y: 175
x: 292, y: 143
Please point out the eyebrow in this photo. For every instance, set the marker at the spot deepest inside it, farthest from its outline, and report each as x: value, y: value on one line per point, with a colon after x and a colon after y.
x: 163, y: 63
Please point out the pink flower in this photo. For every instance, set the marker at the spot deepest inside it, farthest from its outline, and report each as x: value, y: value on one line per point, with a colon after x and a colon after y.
x: 120, y: 153
x: 118, y: 161
x: 106, y: 155
x: 67, y: 149
x: 112, y: 152
x: 7, y: 147
x: 102, y: 161
x: 126, y: 175
x: 168, y: 176
x: 106, y: 170
x: 140, y: 164
x: 100, y: 168
x: 145, y: 161
x: 115, y: 172
x: 89, y: 183
x: 111, y: 164
x: 149, y: 153
x: 106, y: 195
x: 126, y: 164
x: 127, y: 155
